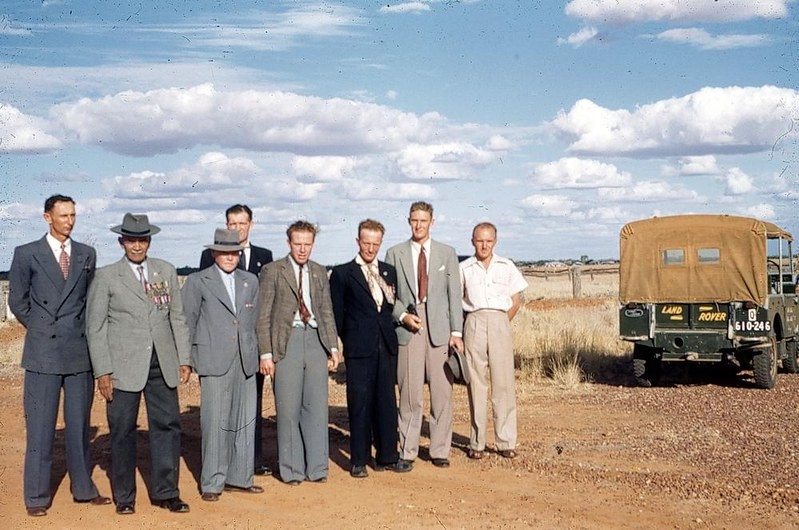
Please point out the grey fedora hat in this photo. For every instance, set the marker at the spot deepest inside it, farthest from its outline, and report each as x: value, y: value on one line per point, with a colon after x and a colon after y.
x: 136, y: 225
x: 226, y: 240
x: 456, y: 362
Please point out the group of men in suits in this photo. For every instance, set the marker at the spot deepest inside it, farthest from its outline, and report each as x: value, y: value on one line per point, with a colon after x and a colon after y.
x: 240, y: 319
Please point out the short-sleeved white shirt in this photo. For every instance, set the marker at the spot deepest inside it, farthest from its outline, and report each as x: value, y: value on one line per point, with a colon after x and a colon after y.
x: 490, y: 288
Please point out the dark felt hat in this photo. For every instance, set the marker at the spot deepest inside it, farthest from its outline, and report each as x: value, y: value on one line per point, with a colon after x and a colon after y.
x: 226, y: 240
x: 456, y: 363
x: 136, y: 225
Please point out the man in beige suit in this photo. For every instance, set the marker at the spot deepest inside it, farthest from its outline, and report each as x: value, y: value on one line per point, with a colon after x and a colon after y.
x: 297, y: 339
x: 428, y: 307
x: 139, y: 344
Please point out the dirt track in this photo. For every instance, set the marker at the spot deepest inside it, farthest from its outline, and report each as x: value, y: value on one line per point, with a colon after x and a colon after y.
x: 717, y: 455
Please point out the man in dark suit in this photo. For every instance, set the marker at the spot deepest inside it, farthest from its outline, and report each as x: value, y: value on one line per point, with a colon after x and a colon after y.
x: 48, y: 282
x: 221, y: 306
x: 239, y: 217
x: 363, y: 293
x: 429, y: 310
x: 139, y: 344
x: 298, y: 343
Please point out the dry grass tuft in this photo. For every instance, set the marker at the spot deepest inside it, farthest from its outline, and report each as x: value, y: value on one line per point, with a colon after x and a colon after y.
x: 570, y: 342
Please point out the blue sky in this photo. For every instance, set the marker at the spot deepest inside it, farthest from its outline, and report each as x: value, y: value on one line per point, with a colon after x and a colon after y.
x: 557, y: 121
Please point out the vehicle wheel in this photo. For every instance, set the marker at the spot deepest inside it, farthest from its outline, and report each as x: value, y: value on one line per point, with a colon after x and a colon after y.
x: 647, y: 368
x: 790, y: 363
x: 764, y: 365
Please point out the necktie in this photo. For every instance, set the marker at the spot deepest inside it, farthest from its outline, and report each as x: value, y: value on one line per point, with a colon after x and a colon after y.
x: 378, y: 286
x: 374, y: 285
x: 421, y: 275
x: 242, y: 259
x: 142, y: 277
x: 230, y: 285
x: 63, y: 261
x: 305, y: 315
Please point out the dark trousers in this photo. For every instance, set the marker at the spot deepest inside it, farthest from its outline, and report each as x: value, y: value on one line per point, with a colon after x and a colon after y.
x: 163, y: 421
x: 259, y: 437
x: 42, y: 396
x: 372, y: 407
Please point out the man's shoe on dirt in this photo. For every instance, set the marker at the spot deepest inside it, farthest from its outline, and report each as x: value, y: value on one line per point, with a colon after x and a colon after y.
x: 403, y: 466
x: 37, y: 511
x: 385, y: 467
x: 441, y: 462
x: 359, y: 472
x: 174, y: 505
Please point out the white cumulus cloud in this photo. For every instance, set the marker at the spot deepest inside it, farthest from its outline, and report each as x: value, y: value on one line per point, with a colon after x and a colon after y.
x: 703, y: 40
x: 168, y: 120
x: 442, y: 161
x: 405, y: 7
x: 579, y: 173
x: 760, y: 211
x: 550, y: 205
x: 737, y: 182
x: 711, y: 120
x: 634, y: 11
x: 20, y: 133
x: 688, y: 166
x: 648, y: 191
x: 579, y: 38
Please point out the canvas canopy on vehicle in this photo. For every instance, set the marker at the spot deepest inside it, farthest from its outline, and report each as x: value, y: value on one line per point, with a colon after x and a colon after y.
x: 695, y: 258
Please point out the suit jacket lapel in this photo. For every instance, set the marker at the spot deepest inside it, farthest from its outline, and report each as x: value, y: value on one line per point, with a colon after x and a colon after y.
x: 128, y: 278
x: 49, y: 264
x: 241, y: 292
x: 358, y: 276
x: 77, y: 261
x: 289, y: 276
x: 215, y: 284
x: 406, y: 262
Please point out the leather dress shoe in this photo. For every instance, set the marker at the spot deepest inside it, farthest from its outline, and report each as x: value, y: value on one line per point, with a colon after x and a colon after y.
x: 292, y: 482
x: 403, y: 466
x: 385, y: 467
x: 263, y: 470
x: 240, y: 489
x: 37, y: 511
x: 209, y: 496
x: 358, y: 472
x: 507, y: 453
x: 126, y: 509
x: 94, y: 501
x: 320, y: 480
x: 475, y: 454
x: 175, y: 505
x: 441, y: 462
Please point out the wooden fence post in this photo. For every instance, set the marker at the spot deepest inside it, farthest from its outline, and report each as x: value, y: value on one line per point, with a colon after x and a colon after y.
x: 575, y: 273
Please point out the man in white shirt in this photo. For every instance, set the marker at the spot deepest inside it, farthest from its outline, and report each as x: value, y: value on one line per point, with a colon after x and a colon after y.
x: 492, y: 294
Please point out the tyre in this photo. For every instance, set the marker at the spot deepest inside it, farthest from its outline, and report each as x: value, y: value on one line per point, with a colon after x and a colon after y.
x: 647, y: 367
x: 764, y: 365
x: 790, y: 363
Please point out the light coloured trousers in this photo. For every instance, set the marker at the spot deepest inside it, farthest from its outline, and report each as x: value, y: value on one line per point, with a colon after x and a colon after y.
x: 418, y: 362
x: 227, y: 422
x: 301, y: 402
x: 489, y: 351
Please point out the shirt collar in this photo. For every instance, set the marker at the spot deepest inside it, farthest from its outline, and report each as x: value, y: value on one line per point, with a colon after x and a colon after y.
x: 56, y: 244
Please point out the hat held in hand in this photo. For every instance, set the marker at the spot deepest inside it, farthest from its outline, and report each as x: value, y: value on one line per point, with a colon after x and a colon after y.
x: 456, y: 363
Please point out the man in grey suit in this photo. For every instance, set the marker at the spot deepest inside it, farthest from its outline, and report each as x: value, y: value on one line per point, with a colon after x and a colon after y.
x: 48, y: 282
x: 221, y: 306
x: 252, y: 258
x: 139, y: 343
x: 298, y: 343
x: 428, y: 307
